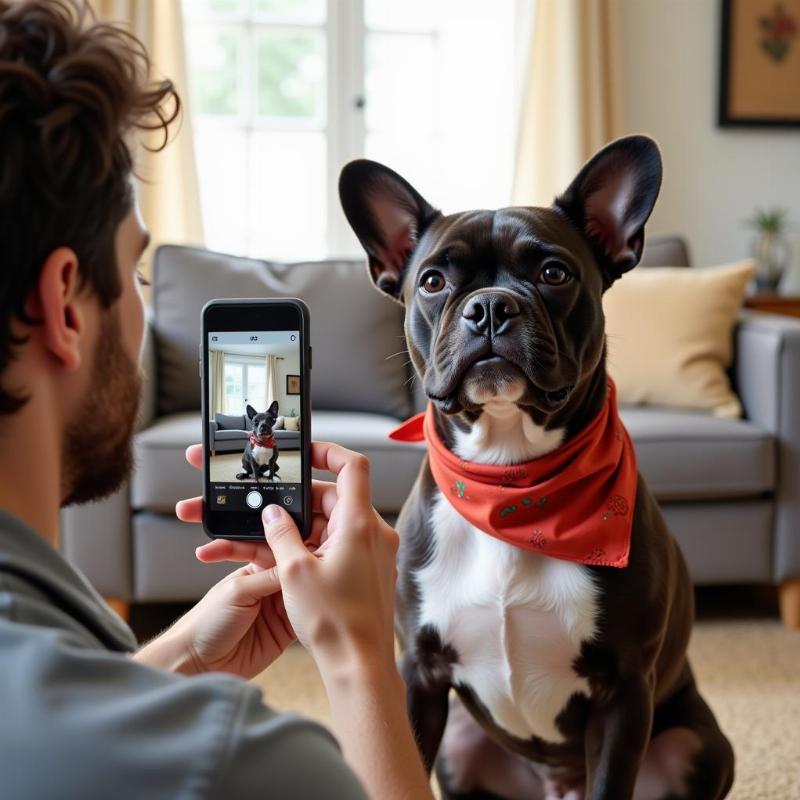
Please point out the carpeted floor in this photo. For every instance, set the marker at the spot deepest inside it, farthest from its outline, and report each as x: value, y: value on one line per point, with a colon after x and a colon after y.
x: 748, y: 668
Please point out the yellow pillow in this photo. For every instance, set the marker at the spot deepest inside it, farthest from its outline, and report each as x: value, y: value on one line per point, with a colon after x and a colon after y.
x: 670, y: 335
x: 292, y: 423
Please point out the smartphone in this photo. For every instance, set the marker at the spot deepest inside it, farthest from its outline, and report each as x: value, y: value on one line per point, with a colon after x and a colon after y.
x: 255, y: 363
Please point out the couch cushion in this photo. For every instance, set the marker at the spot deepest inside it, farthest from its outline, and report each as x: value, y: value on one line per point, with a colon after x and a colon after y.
x: 230, y: 422
x: 687, y: 455
x: 162, y: 475
x: 354, y: 329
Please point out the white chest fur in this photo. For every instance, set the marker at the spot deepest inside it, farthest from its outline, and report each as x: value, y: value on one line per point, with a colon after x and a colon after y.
x: 261, y: 455
x: 515, y: 618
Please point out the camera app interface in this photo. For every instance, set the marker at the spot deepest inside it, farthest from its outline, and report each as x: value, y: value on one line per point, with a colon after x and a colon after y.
x: 254, y: 420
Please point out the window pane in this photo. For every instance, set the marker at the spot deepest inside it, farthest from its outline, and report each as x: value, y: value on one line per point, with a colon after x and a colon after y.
x: 195, y: 7
x: 290, y: 74
x: 233, y: 389
x: 308, y: 11
x: 400, y: 96
x: 222, y: 169
x: 257, y: 387
x: 214, y: 63
x: 408, y: 15
x: 287, y: 199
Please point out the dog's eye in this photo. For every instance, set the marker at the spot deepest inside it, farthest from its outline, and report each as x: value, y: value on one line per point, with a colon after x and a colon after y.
x: 432, y: 282
x: 554, y: 273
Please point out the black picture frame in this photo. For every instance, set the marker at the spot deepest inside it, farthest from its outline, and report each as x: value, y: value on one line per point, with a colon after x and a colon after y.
x: 725, y: 119
x: 293, y: 381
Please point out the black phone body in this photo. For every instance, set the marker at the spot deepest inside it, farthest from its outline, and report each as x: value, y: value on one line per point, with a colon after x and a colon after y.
x: 255, y: 353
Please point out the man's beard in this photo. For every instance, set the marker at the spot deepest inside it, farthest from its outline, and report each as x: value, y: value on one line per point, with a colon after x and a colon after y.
x: 97, y: 451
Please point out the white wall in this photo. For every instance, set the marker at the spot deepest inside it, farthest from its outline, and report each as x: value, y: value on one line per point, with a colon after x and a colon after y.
x: 714, y: 177
x: 289, y: 366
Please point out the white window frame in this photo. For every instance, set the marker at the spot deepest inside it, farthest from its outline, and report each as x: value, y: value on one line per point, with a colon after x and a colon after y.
x: 344, y: 125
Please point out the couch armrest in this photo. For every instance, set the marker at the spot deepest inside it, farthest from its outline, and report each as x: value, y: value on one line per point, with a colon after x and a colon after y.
x: 148, y: 403
x: 768, y: 381
x: 96, y: 539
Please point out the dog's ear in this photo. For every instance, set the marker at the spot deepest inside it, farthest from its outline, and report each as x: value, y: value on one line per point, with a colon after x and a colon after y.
x: 388, y: 215
x: 273, y: 408
x: 611, y: 198
x: 251, y: 412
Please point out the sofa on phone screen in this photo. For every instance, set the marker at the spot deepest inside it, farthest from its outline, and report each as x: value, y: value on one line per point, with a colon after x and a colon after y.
x: 230, y: 433
x: 736, y: 523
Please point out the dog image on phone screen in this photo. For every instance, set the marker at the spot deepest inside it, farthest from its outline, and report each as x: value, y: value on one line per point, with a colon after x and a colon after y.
x: 260, y: 457
x: 536, y: 574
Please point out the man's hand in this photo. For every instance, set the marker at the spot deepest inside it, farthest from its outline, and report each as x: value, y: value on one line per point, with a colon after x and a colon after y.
x: 250, y: 617
x: 240, y: 626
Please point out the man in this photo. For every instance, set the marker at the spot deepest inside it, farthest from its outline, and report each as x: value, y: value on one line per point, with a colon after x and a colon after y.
x: 83, y: 713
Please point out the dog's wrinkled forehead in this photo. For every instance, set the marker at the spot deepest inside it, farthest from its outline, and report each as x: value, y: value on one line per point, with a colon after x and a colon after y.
x: 500, y: 246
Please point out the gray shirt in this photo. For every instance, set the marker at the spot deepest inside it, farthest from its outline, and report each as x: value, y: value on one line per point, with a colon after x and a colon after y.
x: 80, y: 719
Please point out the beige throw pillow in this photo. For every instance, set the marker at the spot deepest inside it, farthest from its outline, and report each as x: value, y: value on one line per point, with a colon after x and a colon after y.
x: 292, y: 423
x: 670, y: 332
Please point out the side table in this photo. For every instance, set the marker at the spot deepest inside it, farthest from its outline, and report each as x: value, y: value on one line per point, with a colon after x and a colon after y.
x: 788, y: 305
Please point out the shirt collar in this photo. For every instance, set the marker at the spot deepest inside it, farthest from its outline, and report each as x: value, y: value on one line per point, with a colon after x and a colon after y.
x: 26, y: 555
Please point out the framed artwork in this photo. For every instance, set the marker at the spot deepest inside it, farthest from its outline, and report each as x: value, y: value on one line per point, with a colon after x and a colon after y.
x: 760, y: 63
x: 292, y: 384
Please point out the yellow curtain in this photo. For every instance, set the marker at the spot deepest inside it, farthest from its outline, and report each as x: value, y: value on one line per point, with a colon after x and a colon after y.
x: 571, y: 96
x: 168, y: 192
x: 216, y: 363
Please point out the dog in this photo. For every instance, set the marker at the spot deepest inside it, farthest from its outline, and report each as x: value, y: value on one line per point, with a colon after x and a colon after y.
x: 570, y: 672
x: 260, y: 457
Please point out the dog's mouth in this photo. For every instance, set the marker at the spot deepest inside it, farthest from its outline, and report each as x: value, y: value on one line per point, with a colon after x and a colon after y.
x: 493, y: 378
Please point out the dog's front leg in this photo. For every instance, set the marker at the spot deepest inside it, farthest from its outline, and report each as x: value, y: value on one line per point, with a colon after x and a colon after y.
x: 617, y: 733
x: 427, y: 703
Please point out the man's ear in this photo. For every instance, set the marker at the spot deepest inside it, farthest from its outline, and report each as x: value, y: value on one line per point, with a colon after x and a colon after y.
x: 54, y: 303
x: 611, y: 198
x: 251, y: 412
x: 388, y: 215
x: 273, y: 408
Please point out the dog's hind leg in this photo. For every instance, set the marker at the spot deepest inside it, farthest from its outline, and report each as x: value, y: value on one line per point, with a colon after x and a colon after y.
x: 688, y: 757
x: 472, y: 766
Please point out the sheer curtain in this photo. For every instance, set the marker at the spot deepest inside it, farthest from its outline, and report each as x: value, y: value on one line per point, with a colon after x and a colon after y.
x: 168, y: 192
x: 570, y: 97
x: 271, y: 392
x: 216, y: 362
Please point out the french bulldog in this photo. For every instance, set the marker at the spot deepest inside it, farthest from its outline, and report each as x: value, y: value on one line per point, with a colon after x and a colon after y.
x: 571, y: 679
x: 260, y: 457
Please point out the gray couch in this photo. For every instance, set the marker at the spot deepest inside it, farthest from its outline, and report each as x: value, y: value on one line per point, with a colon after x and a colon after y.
x: 730, y: 489
x: 229, y: 434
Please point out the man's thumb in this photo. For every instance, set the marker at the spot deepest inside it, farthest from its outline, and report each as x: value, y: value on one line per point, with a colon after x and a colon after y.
x: 282, y: 535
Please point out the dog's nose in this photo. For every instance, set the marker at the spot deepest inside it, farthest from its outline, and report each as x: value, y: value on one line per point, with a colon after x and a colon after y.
x: 491, y: 313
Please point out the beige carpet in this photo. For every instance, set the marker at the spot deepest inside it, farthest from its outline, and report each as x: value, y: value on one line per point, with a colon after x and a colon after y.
x: 748, y: 670
x: 223, y: 468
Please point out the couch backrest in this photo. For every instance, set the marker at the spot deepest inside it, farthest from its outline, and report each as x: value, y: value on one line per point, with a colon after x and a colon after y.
x: 665, y: 251
x: 354, y: 329
x: 228, y: 422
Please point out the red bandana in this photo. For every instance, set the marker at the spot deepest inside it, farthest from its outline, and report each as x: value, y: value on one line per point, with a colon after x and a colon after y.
x: 575, y: 503
x: 268, y: 442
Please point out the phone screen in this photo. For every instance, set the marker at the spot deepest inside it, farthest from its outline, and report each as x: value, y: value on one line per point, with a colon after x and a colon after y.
x: 255, y: 426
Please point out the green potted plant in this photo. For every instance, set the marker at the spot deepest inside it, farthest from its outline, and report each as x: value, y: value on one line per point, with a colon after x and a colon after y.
x: 770, y: 248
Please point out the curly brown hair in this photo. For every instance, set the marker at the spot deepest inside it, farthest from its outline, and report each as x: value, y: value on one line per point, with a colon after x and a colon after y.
x: 72, y: 91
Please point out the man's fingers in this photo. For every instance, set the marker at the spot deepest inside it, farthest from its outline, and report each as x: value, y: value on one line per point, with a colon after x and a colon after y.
x: 282, y: 536
x: 323, y: 496
x: 194, y: 455
x: 352, y: 474
x: 249, y: 588
x: 190, y: 510
x: 226, y: 550
x: 255, y: 552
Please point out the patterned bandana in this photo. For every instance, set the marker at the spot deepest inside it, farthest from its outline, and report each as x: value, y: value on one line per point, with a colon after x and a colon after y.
x: 575, y: 503
x: 268, y: 442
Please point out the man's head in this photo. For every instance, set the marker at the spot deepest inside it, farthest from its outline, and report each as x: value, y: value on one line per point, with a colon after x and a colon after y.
x: 506, y: 305
x: 72, y: 94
